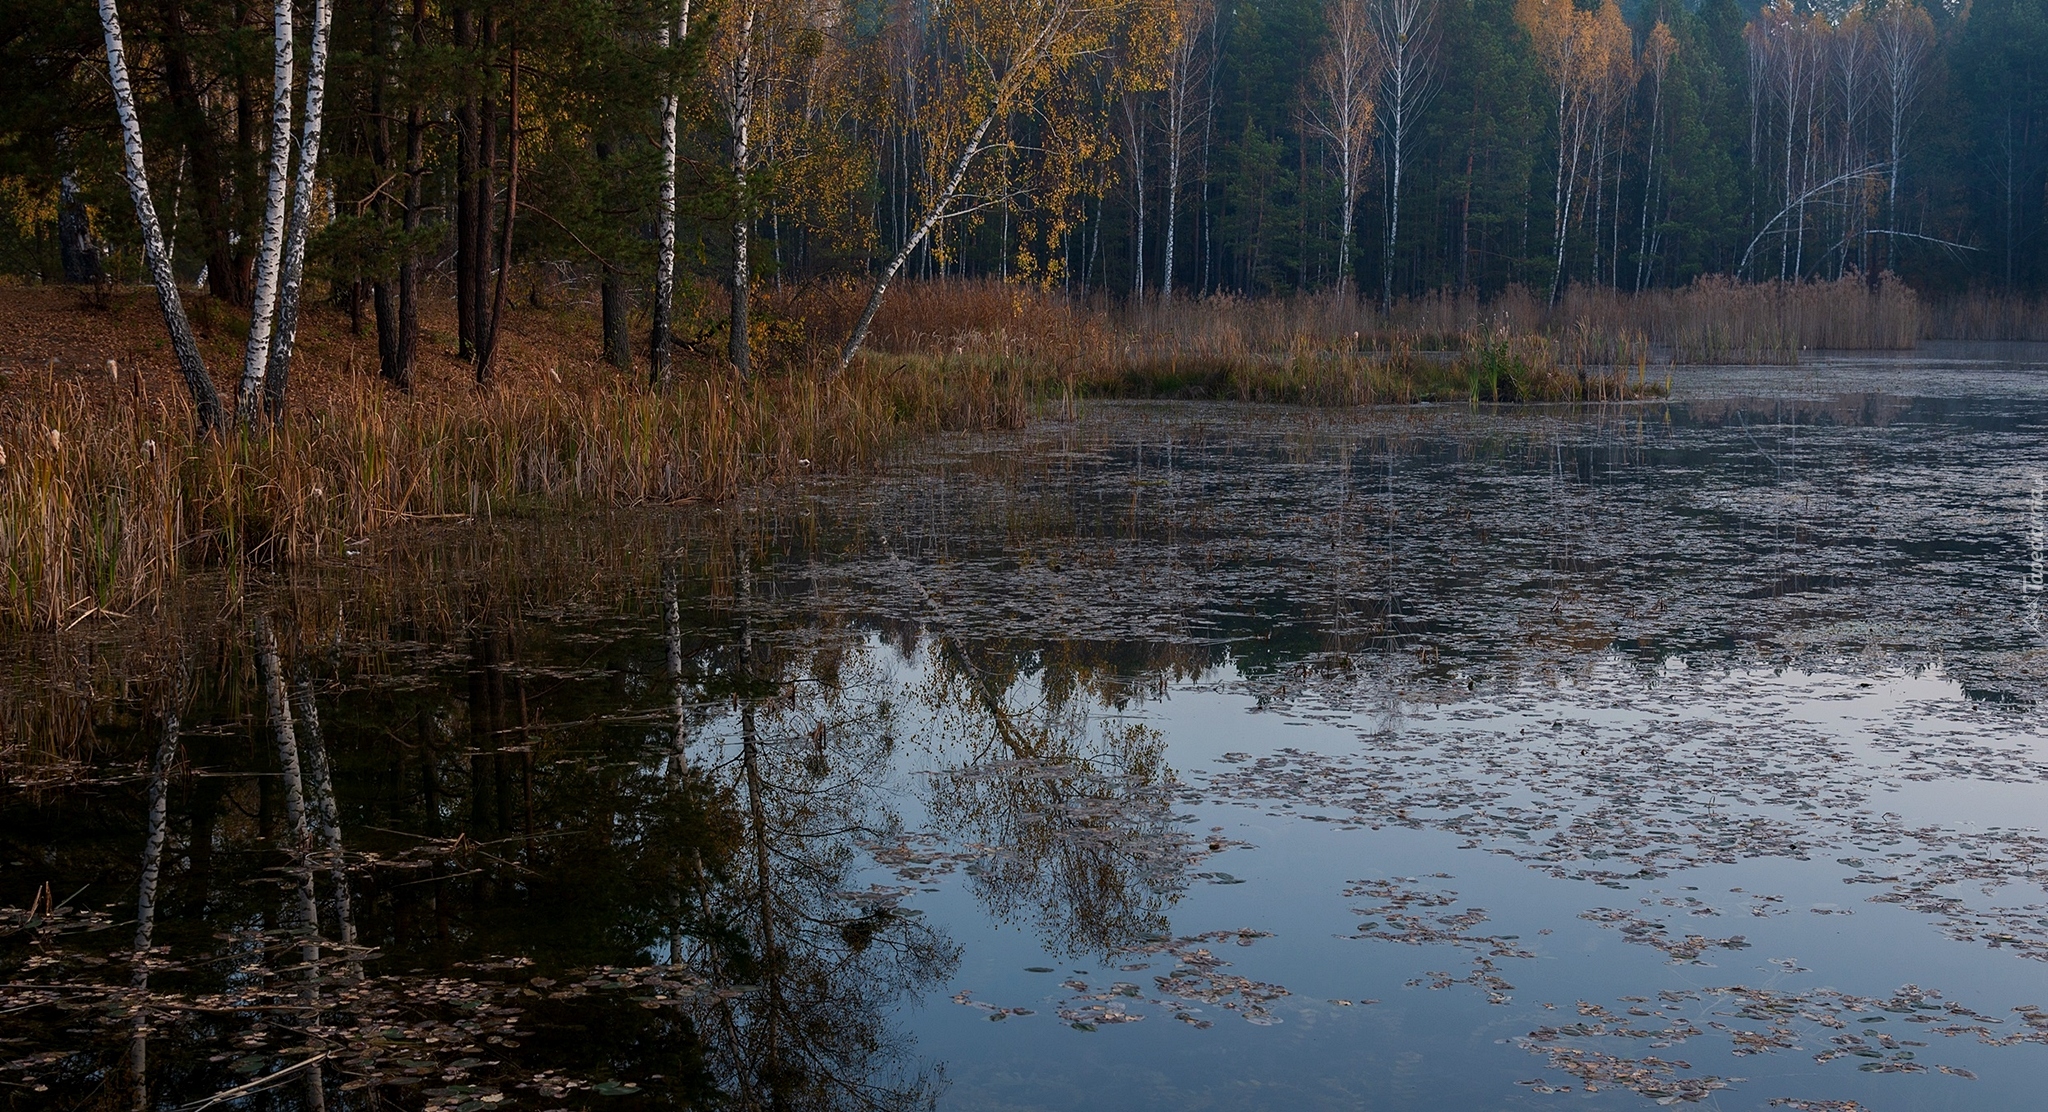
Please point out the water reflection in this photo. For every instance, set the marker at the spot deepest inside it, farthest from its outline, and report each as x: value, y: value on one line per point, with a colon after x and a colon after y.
x: 524, y: 844
x: 723, y: 808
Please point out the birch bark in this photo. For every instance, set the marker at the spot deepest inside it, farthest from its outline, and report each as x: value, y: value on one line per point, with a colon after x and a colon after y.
x: 278, y: 373
x: 665, y: 230
x: 270, y: 247
x: 156, y: 256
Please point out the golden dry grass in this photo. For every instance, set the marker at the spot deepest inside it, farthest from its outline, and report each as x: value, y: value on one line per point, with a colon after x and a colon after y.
x: 1988, y: 316
x: 1710, y: 321
x: 107, y: 495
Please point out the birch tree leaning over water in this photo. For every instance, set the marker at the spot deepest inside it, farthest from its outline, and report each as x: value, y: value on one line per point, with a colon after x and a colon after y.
x: 993, y: 57
x: 1340, y: 110
x: 270, y: 246
x: 155, y: 252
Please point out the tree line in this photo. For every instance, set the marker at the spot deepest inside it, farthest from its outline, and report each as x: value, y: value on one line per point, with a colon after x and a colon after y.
x: 687, y: 157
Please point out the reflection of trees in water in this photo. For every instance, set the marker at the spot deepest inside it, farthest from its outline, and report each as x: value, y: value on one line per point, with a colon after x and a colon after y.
x: 803, y: 971
x: 521, y: 795
x: 1073, y: 807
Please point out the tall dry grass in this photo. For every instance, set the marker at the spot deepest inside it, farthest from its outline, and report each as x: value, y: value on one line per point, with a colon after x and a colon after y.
x: 107, y: 497
x: 1987, y: 316
x: 1719, y: 320
x: 1710, y: 321
x: 104, y: 504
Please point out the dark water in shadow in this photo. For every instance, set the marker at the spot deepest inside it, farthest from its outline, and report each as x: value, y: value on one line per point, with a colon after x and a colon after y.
x: 1174, y: 757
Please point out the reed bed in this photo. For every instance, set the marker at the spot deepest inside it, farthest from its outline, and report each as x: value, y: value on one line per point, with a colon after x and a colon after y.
x: 102, y: 505
x: 1988, y: 316
x: 1710, y: 321
x: 1718, y: 320
x: 107, y: 496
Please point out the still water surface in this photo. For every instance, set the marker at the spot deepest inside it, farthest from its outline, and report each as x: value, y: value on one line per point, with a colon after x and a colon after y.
x: 1170, y: 757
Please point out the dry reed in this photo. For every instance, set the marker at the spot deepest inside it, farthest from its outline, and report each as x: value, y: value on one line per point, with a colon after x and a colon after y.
x: 1988, y: 316
x: 102, y: 505
x: 106, y: 496
x: 1710, y: 321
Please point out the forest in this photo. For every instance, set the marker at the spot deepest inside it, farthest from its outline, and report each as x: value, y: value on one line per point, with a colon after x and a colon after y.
x: 505, y: 253
x: 692, y: 169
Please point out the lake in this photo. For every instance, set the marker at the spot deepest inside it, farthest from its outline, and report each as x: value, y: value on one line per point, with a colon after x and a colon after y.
x: 1157, y: 756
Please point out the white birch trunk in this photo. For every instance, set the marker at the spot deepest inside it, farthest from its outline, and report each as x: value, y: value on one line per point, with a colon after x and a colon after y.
x: 1560, y: 213
x: 1176, y: 110
x: 1394, y: 152
x: 155, y: 252
x: 1650, y: 179
x: 665, y: 228
x: 1404, y: 32
x: 278, y: 373
x: 1349, y: 160
x: 270, y: 247
x: 933, y: 214
x: 740, y: 118
x: 1134, y: 126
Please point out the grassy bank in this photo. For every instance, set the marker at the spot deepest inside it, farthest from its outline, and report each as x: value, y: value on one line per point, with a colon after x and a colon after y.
x: 101, y: 505
x: 1590, y: 329
x: 107, y: 495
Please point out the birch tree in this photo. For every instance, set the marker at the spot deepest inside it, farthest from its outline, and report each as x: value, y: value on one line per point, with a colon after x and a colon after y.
x: 155, y: 252
x: 1783, y: 44
x: 1131, y: 109
x: 1405, y: 36
x: 1658, y: 50
x: 1340, y: 109
x: 1139, y: 68
x: 270, y: 245
x: 736, y: 66
x: 488, y: 329
x: 993, y: 57
x: 278, y: 372
x: 1904, y: 39
x: 1850, y: 56
x: 1189, y: 60
x: 1580, y: 52
x: 665, y: 214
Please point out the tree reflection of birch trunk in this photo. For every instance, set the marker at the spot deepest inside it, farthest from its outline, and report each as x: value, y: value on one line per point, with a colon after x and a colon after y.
x: 672, y: 632
x: 328, y: 814
x: 750, y: 762
x: 145, y: 897
x: 301, y: 841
